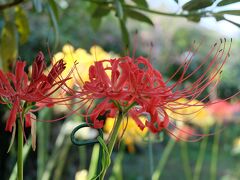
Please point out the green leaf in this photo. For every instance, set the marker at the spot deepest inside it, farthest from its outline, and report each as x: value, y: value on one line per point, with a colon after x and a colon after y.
x: 124, y: 32
x: 194, y: 18
x: 37, y: 5
x: 119, y: 9
x: 141, y: 3
x: 176, y: 1
x: 101, y: 11
x: 96, y: 23
x: 218, y: 17
x: 8, y: 45
x: 226, y: 2
x: 232, y: 12
x: 54, y: 7
x: 138, y: 16
x: 197, y: 4
x: 22, y: 24
x: 54, y: 23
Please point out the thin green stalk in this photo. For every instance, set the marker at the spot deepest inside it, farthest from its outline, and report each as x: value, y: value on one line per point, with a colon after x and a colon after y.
x: 158, y: 171
x: 26, y: 149
x: 20, y: 151
x: 114, y: 134
x: 150, y: 154
x: 61, y: 164
x: 201, y: 155
x: 61, y: 138
x: 113, y: 138
x: 83, y: 157
x: 185, y: 159
x: 43, y: 141
x: 42, y: 150
x: 117, y: 166
x: 93, y: 165
x: 215, y: 147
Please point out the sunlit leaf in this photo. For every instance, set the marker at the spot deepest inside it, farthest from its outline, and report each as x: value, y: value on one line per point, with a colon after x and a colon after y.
x: 197, y: 4
x: 138, y: 16
x: 8, y: 45
x: 37, y: 5
x: 93, y: 166
x: 142, y: 3
x: 226, y: 2
x: 22, y: 24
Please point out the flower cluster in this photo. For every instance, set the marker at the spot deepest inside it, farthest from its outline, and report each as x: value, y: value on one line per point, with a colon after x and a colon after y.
x: 132, y: 86
x: 123, y: 82
x: 21, y: 93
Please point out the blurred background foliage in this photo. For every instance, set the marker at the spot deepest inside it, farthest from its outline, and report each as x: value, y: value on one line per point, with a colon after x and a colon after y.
x: 119, y: 26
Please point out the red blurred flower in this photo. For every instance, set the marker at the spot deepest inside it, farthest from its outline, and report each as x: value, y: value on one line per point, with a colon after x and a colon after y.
x: 20, y: 93
x: 223, y: 110
x: 133, y: 84
x: 183, y: 133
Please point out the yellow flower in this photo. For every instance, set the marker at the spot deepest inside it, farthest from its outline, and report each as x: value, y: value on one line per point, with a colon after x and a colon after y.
x: 236, y: 146
x: 196, y: 114
x: 131, y: 132
x: 83, y: 59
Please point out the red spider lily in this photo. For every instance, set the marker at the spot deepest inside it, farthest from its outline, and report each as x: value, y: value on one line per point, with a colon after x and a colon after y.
x: 19, y: 93
x: 135, y: 85
x: 223, y: 110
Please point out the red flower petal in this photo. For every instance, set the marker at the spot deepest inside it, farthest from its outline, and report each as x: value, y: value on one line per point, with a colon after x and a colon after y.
x: 12, y: 117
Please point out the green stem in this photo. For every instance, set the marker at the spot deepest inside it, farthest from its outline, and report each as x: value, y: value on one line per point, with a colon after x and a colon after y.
x: 185, y: 159
x: 113, y: 138
x: 61, y: 164
x: 114, y: 134
x: 20, y: 152
x: 53, y: 159
x: 43, y: 141
x: 117, y: 166
x: 26, y: 149
x: 158, y: 172
x: 150, y: 154
x: 93, y: 165
x: 215, y: 146
x: 200, y: 159
x: 83, y: 157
